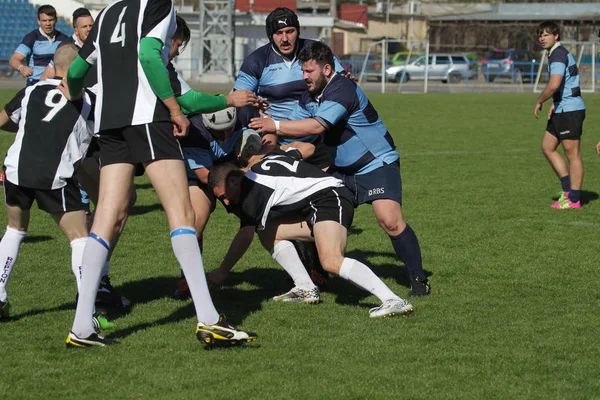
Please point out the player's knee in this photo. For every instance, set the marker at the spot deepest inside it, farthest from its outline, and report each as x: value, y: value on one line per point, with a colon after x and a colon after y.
x: 392, y: 226
x: 331, y: 263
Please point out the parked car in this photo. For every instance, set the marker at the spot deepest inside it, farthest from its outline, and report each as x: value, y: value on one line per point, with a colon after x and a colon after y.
x: 354, y: 63
x: 510, y: 63
x: 447, y: 67
x: 400, y: 58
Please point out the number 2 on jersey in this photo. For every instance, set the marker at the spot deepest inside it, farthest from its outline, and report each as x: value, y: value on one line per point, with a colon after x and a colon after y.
x: 291, y: 167
x: 55, y: 107
x: 118, y: 34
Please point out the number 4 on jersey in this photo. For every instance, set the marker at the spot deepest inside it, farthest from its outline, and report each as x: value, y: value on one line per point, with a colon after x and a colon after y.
x: 118, y: 34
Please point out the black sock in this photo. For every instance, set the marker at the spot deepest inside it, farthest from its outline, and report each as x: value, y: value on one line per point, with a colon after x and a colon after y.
x: 565, y: 182
x: 407, y: 248
x: 574, y: 195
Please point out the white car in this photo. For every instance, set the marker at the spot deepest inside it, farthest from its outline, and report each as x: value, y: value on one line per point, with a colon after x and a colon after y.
x: 442, y: 66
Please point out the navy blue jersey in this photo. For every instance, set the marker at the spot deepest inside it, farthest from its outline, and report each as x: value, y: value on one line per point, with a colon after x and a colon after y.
x: 568, y: 96
x: 358, y: 140
x: 39, y: 50
x: 266, y: 73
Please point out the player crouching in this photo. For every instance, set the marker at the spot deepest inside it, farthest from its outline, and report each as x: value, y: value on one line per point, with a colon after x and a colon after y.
x: 287, y: 199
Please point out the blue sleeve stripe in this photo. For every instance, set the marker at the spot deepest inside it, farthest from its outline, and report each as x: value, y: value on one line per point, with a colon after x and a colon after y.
x: 183, y: 231
x: 24, y: 50
x: 100, y: 240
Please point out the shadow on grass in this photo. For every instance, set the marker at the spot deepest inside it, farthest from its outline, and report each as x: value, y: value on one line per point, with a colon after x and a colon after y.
x: 38, y: 238
x: 355, y: 231
x: 40, y: 311
x: 348, y: 294
x: 587, y: 196
x: 231, y: 299
x: 141, y: 210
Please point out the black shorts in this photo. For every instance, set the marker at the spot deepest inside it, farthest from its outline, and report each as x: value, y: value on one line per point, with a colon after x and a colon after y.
x: 566, y: 125
x: 321, y: 157
x: 93, y: 150
x: 65, y: 199
x: 196, y: 182
x: 382, y: 183
x: 334, y: 204
x: 138, y: 144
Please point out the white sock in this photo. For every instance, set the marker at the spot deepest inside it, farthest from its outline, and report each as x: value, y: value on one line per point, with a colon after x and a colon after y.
x: 94, y: 256
x: 105, y: 268
x: 187, y: 252
x: 9, y: 250
x: 286, y: 255
x: 77, y: 248
x: 362, y: 276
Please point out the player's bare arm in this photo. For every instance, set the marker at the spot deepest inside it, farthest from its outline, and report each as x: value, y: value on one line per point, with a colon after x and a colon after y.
x: 202, y: 175
x: 16, y: 62
x: 241, y: 98
x: 239, y: 245
x: 298, y: 128
x: 6, y: 123
x: 551, y: 87
x: 305, y: 148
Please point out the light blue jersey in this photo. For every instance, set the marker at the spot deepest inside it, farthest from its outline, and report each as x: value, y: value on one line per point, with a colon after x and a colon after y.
x: 201, y: 150
x: 568, y: 96
x: 357, y: 139
x: 266, y: 73
x: 39, y: 49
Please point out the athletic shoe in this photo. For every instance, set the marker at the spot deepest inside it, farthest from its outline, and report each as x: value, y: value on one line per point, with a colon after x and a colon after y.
x: 183, y: 291
x: 390, y: 308
x: 6, y: 311
x: 109, y: 297
x: 419, y: 288
x: 222, y: 333
x: 565, y: 204
x: 297, y: 295
x: 101, y: 322
x: 91, y: 341
x: 560, y: 195
x: 251, y: 144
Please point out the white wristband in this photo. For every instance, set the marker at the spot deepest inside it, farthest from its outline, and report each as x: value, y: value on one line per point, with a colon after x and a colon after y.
x: 20, y: 66
x: 276, y: 125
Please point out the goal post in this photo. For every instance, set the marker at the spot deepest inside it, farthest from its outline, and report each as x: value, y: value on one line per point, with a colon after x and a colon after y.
x: 584, y: 54
x: 415, y: 49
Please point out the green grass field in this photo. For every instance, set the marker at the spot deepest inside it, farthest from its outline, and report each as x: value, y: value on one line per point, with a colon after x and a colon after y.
x: 514, y: 313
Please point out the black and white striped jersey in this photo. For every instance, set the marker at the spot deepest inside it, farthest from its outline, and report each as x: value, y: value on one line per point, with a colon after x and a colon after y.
x: 179, y: 85
x: 125, y: 97
x: 278, y: 185
x: 53, y: 135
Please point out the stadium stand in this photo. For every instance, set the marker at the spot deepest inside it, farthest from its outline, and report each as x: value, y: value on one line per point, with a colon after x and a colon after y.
x: 17, y: 18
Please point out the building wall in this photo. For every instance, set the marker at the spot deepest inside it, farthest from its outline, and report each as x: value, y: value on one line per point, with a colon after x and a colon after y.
x: 358, y: 42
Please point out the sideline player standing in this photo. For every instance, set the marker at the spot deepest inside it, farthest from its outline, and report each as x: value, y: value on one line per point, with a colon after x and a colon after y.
x: 365, y: 156
x: 286, y: 198
x: 38, y: 47
x: 565, y: 116
x: 137, y: 118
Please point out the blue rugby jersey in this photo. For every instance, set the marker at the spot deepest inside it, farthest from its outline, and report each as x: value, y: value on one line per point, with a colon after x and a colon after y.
x: 265, y: 73
x: 201, y: 150
x: 358, y: 140
x: 39, y: 50
x: 568, y: 96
